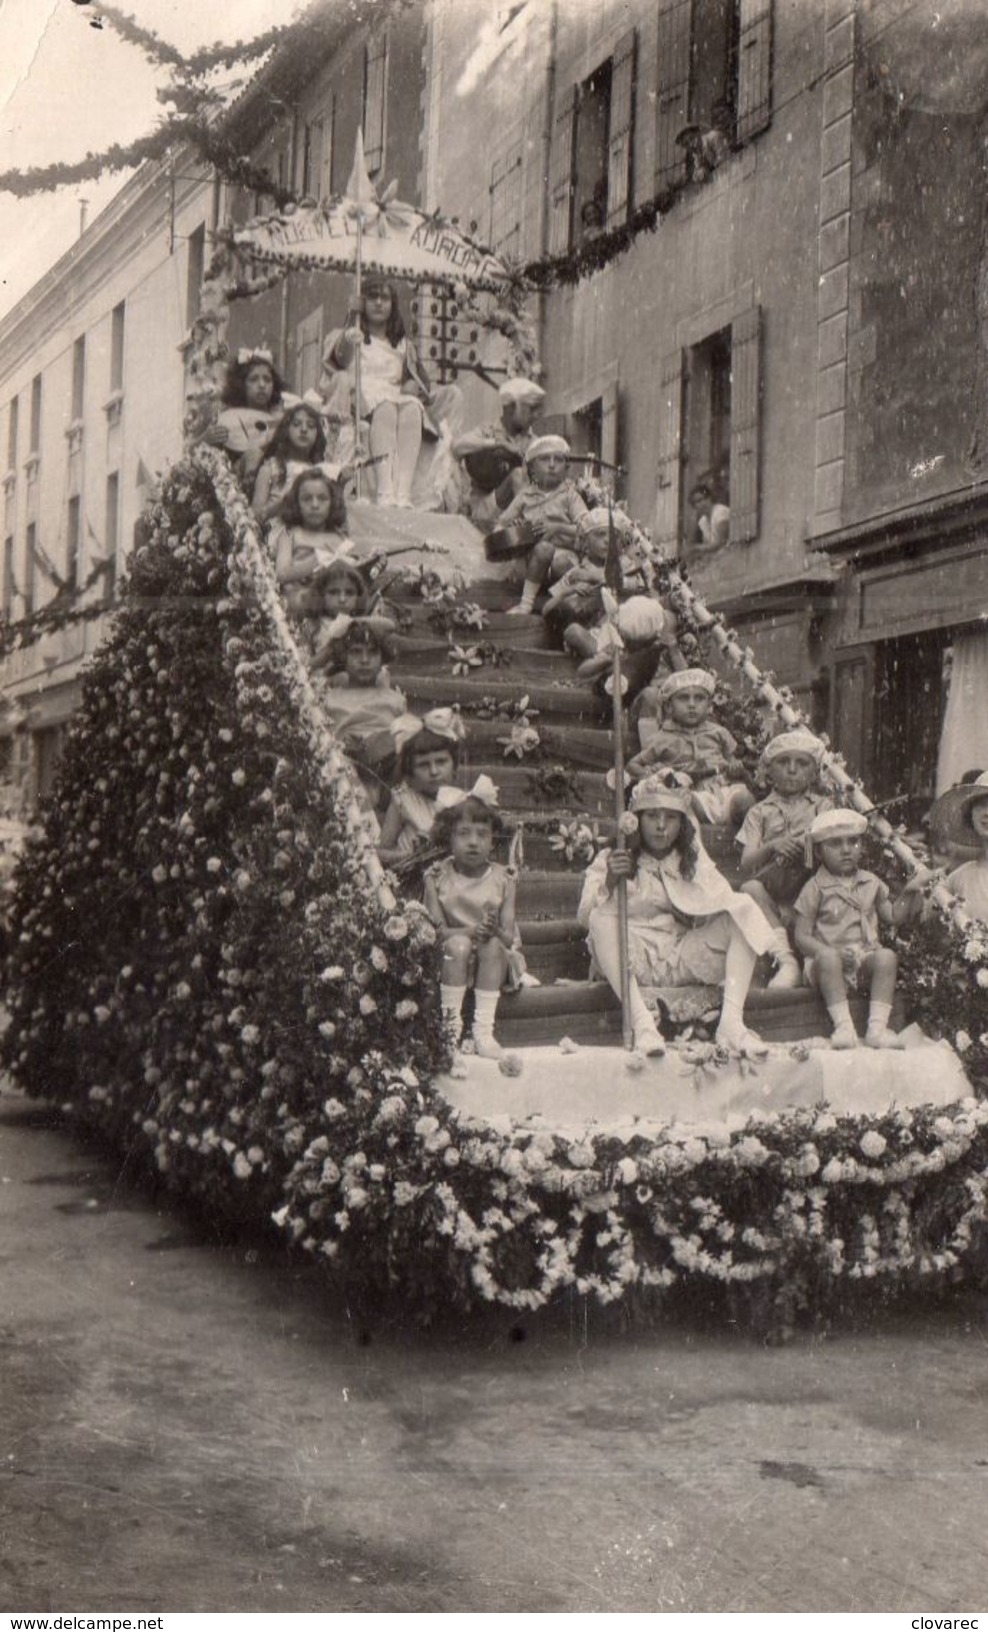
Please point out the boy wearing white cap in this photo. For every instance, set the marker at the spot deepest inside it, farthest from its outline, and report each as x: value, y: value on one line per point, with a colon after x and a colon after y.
x: 551, y: 506
x: 837, y: 915
x: 478, y: 449
x: 689, y: 741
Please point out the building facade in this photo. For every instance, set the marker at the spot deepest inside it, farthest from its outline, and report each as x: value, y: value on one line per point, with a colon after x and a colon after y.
x: 797, y: 317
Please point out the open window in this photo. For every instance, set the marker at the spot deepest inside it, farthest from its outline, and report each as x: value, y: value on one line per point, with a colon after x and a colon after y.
x: 710, y: 419
x: 592, y: 429
x: 713, y: 84
x: 590, y: 177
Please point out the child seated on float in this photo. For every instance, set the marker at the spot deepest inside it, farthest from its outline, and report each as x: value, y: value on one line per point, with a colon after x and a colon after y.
x: 773, y: 837
x: 297, y: 444
x: 252, y: 404
x: 688, y: 740
x: 686, y: 926
x: 311, y: 534
x: 358, y: 698
x: 837, y: 918
x: 428, y: 758
x: 336, y: 594
x: 961, y: 816
x: 471, y: 900
x: 574, y: 603
x: 551, y: 507
x: 648, y: 631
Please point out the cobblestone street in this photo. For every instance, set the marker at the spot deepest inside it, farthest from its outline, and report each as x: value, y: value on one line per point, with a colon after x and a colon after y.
x: 187, y: 1427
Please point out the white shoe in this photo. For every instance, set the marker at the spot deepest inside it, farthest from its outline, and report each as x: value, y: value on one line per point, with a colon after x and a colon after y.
x: 520, y: 611
x: 648, y: 1039
x: 844, y: 1037
x: 788, y: 974
x: 486, y: 1045
x: 737, y: 1037
x: 883, y: 1038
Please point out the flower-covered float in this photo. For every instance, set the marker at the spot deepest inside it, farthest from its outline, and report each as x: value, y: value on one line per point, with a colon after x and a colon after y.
x: 210, y: 969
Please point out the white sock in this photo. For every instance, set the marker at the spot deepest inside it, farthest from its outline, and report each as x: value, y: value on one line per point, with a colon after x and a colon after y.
x: 529, y: 591
x: 485, y: 1008
x: 451, y: 998
x: 878, y: 1016
x: 840, y: 1014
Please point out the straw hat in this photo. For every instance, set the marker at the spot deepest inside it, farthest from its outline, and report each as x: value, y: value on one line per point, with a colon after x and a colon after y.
x: 663, y: 790
x: 950, y: 816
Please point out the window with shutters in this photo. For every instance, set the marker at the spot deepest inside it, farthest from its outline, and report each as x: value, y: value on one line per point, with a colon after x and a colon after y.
x: 590, y: 162
x: 73, y: 544
x: 308, y: 359
x: 317, y: 155
x: 713, y: 84
x: 111, y: 534
x: 35, y: 427
x: 13, y: 418
x: 709, y: 441
x: 195, y: 271
x: 78, y: 377
x: 30, y: 567
x: 506, y: 203
x: 375, y: 101
x: 8, y: 579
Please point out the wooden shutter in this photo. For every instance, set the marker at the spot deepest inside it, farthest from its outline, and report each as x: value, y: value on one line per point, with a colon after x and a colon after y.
x: 620, y: 135
x: 669, y: 463
x: 609, y: 438
x: 375, y: 100
x: 754, y: 68
x: 746, y: 408
x: 308, y: 355
x: 561, y: 164
x: 672, y: 81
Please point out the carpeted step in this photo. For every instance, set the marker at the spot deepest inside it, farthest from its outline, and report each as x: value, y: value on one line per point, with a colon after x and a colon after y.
x: 418, y: 655
x: 555, y: 950
x: 543, y: 788
x: 557, y: 705
x: 526, y: 633
x: 589, y: 1012
x: 546, y: 896
x: 589, y: 746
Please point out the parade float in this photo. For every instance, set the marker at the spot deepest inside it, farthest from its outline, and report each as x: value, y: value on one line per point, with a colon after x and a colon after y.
x: 211, y: 969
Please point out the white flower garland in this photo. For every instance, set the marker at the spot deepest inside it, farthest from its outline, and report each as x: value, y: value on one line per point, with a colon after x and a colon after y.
x: 328, y: 757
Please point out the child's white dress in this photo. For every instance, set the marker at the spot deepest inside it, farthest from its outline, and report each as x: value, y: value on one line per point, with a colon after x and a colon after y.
x: 465, y: 900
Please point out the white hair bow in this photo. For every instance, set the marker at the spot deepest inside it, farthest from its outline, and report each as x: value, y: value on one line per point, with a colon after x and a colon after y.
x: 442, y: 722
x: 483, y: 789
x: 254, y: 354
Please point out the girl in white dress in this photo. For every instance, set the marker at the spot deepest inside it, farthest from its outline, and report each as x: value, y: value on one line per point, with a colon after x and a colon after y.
x: 396, y: 395
x: 311, y: 534
x: 428, y: 759
x: 471, y: 901
x: 252, y: 404
x: 297, y: 443
x: 686, y: 925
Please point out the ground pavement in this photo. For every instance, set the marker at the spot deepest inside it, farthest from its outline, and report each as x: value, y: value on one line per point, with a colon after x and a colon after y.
x: 186, y: 1426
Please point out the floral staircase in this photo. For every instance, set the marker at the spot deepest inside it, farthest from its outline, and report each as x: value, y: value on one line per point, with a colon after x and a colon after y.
x: 545, y: 738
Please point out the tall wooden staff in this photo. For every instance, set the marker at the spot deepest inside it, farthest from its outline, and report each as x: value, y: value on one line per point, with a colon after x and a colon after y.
x: 614, y: 583
x: 357, y: 358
